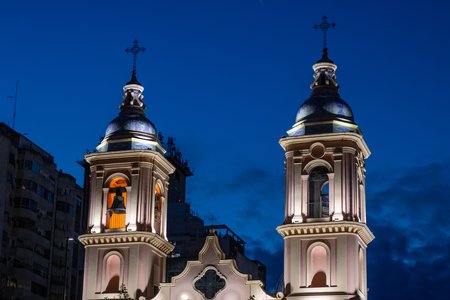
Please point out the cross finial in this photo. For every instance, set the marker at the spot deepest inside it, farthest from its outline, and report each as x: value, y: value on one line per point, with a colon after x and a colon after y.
x: 324, y: 26
x: 134, y: 51
x: 212, y: 218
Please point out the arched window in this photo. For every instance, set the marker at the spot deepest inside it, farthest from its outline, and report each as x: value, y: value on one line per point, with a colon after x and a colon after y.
x: 318, y: 201
x: 319, y: 266
x: 157, y: 208
x: 117, y: 203
x: 112, y: 274
x: 158, y: 197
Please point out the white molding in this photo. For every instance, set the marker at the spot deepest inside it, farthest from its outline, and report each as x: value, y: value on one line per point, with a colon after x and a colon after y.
x: 289, y: 141
x: 318, y: 162
x: 326, y: 228
x: 115, y: 237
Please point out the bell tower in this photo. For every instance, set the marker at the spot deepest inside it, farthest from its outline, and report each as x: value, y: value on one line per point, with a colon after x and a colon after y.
x: 325, y: 232
x: 126, y: 244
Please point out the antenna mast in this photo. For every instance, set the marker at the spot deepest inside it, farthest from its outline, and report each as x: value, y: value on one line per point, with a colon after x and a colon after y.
x: 15, y: 104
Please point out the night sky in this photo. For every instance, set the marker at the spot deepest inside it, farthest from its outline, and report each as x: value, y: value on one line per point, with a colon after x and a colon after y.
x: 225, y: 78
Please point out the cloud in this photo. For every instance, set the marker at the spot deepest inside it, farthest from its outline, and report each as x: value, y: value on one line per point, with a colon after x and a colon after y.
x: 251, y: 203
x: 409, y: 215
x: 274, y: 265
x: 250, y: 198
x: 408, y: 211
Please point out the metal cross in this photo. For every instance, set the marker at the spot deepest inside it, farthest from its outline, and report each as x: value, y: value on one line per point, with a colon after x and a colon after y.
x: 324, y: 26
x: 134, y: 51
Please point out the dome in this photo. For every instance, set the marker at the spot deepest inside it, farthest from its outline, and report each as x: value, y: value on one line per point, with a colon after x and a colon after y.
x: 131, y: 129
x: 324, y: 111
x: 130, y: 125
x: 324, y: 107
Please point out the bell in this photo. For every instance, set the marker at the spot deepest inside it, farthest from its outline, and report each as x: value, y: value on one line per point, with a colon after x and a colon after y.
x: 118, y: 205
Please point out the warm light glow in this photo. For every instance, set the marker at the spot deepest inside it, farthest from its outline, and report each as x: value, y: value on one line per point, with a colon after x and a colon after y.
x: 184, y: 297
x: 116, y: 220
x: 157, y: 209
x: 158, y: 197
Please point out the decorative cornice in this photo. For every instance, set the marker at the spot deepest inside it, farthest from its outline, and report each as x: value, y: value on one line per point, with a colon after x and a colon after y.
x: 310, y: 229
x: 286, y: 142
x: 135, y: 155
x: 127, y: 237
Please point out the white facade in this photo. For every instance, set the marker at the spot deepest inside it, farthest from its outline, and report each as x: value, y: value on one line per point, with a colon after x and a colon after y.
x: 324, y: 230
x: 224, y: 283
x: 132, y: 253
x: 325, y: 255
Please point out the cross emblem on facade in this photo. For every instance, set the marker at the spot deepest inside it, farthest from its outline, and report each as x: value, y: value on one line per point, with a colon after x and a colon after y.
x: 210, y: 283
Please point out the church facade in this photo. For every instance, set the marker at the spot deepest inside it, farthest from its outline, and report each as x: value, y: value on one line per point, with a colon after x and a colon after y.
x: 324, y: 229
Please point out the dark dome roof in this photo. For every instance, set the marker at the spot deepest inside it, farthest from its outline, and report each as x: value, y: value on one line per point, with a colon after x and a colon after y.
x: 324, y: 106
x: 130, y: 125
x: 324, y: 111
x: 131, y: 130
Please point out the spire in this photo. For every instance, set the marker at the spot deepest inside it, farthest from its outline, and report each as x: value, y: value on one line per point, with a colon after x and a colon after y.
x: 131, y: 129
x: 324, y: 68
x: 324, y: 26
x: 134, y: 51
x: 133, y: 97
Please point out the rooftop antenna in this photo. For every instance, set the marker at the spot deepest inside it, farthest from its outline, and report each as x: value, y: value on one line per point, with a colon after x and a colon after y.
x: 14, y: 98
x: 324, y: 26
x: 212, y: 218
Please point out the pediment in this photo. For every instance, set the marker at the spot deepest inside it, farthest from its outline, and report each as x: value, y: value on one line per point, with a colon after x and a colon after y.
x: 212, y: 277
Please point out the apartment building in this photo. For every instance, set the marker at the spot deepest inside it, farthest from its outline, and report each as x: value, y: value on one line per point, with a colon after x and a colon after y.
x: 41, y: 215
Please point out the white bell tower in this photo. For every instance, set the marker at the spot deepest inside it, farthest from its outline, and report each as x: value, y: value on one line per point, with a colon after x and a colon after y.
x: 126, y: 244
x: 325, y: 232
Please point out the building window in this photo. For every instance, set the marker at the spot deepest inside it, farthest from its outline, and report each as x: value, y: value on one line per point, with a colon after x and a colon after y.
x: 30, y: 165
x: 209, y: 282
x: 64, y: 207
x: 9, y: 177
x: 12, y: 159
x: 117, y: 203
x: 25, y: 203
x: 11, y: 283
x: 25, y: 223
x: 38, y: 289
x: 40, y: 270
x: 5, y: 239
x: 318, y: 200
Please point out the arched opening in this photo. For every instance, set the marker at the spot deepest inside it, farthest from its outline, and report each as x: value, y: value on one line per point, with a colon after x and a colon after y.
x: 361, y: 269
x: 319, y: 266
x: 318, y: 200
x: 112, y: 274
x: 157, y: 208
x: 117, y: 203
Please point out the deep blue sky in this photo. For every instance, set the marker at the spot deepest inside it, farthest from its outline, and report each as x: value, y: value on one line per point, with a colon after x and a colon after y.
x: 226, y: 78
